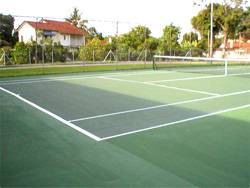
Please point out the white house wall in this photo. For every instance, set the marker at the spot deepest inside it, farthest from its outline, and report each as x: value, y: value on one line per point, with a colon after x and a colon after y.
x: 64, y: 41
x: 26, y: 33
x: 76, y: 40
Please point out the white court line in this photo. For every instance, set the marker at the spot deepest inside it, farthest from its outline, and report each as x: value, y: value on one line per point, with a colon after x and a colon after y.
x: 164, y: 86
x: 53, y: 115
x: 178, y: 122
x: 197, y: 78
x: 186, y: 79
x: 65, y: 78
x: 160, y: 106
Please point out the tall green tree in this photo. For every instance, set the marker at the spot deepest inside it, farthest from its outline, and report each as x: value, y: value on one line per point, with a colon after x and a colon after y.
x: 93, y: 33
x: 227, y: 17
x: 201, y: 23
x: 7, y: 38
x: 169, y: 40
x: 135, y: 39
x: 244, y: 25
x: 75, y: 19
x: 190, y: 37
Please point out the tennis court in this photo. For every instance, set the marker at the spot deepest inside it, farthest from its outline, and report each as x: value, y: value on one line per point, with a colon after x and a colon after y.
x: 128, y: 128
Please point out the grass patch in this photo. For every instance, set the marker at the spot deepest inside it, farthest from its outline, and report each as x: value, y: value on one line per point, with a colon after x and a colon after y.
x: 69, y: 69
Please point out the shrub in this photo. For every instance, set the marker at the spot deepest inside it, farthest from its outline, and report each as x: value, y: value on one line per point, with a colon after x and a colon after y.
x: 21, y: 53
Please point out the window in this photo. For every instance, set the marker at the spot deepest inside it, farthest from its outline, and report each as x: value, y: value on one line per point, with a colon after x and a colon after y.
x: 64, y: 37
x: 21, y: 38
x: 31, y: 38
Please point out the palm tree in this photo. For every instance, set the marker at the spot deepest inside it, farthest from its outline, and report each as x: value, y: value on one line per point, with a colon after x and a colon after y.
x: 76, y: 20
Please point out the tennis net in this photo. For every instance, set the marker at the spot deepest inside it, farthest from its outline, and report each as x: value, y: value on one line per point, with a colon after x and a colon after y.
x: 201, y: 65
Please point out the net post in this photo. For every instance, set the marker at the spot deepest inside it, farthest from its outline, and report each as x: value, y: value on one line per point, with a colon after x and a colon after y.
x: 226, y: 67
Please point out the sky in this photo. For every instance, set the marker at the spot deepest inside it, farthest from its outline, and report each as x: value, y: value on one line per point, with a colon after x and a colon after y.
x: 154, y: 14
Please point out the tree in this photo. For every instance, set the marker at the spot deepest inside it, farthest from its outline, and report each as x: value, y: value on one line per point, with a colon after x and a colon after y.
x: 6, y: 30
x: 201, y: 23
x: 135, y: 40
x: 95, y: 50
x: 76, y: 20
x: 92, y: 33
x: 190, y: 43
x: 169, y: 40
x: 20, y: 54
x: 227, y: 17
x: 190, y: 37
x: 244, y: 25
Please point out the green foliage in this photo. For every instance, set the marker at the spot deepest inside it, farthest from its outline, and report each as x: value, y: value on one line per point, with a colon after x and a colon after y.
x: 21, y: 53
x: 135, y: 39
x: 201, y: 22
x: 227, y: 17
x: 244, y: 25
x: 6, y: 28
x: 93, y: 33
x: 169, y: 40
x: 190, y: 37
x: 76, y: 20
x: 27, y: 53
x: 94, y: 50
x: 134, y: 44
x: 151, y: 43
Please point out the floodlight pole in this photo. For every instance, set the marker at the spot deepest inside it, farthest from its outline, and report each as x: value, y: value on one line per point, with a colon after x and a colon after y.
x: 211, y: 29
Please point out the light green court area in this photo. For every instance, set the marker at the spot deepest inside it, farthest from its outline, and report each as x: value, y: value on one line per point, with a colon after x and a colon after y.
x: 153, y: 129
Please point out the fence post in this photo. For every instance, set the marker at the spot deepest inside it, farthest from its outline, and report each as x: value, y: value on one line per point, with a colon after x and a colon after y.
x: 128, y: 55
x: 93, y: 56
x: 52, y: 54
x: 29, y: 57
x: 4, y: 58
x: 43, y: 54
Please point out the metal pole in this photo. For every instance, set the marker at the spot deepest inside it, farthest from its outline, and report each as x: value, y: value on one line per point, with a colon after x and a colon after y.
x: 4, y: 59
x: 128, y: 55
x: 29, y: 57
x: 43, y: 53
x: 36, y: 42
x: 116, y: 51
x: 170, y: 45
x: 211, y: 29
x: 52, y: 54
x: 117, y: 28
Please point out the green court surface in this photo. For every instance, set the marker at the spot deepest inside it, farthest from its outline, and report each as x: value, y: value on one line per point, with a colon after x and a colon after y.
x: 126, y: 129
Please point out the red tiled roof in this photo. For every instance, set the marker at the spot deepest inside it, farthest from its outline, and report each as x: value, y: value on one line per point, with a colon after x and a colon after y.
x: 61, y: 27
x: 237, y: 44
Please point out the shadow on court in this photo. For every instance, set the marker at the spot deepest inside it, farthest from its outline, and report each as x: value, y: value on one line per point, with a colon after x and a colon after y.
x: 37, y: 150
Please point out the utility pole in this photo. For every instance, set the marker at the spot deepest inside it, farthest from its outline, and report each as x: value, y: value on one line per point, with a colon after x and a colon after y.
x: 211, y: 29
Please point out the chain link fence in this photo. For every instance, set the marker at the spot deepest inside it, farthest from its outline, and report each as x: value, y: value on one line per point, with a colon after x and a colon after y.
x: 60, y: 55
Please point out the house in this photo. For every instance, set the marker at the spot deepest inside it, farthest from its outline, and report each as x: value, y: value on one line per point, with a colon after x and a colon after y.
x: 60, y: 32
x: 237, y: 48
